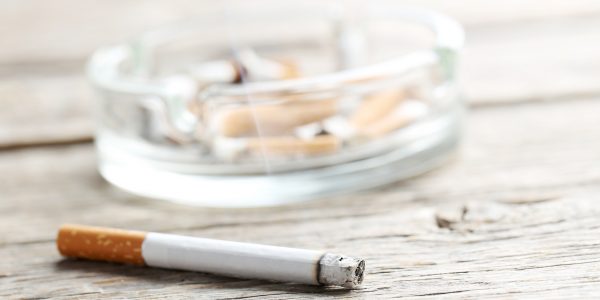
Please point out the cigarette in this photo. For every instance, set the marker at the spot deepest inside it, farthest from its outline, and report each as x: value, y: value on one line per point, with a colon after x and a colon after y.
x: 336, y: 126
x: 219, y: 71
x: 272, y: 119
x: 231, y: 149
x: 340, y: 127
x: 370, y: 119
x: 376, y: 116
x: 375, y: 107
x: 404, y: 114
x: 261, y: 69
x: 235, y: 259
x: 249, y: 67
x: 291, y: 145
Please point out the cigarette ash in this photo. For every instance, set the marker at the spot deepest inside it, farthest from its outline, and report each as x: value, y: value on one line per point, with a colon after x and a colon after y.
x: 341, y: 270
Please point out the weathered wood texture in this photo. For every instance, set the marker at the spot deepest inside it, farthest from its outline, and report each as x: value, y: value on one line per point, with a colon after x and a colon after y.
x: 529, y: 228
x: 514, y: 215
x: 41, y: 71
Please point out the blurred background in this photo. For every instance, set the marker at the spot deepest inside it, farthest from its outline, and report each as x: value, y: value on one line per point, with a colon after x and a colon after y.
x: 517, y: 50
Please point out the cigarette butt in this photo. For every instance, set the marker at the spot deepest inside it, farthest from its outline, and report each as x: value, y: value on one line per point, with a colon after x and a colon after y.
x: 254, y: 69
x: 289, y: 69
x: 243, y: 260
x: 273, y: 119
x: 403, y: 115
x: 231, y: 149
x: 258, y: 68
x: 291, y: 145
x: 101, y: 244
x: 375, y: 107
x: 218, y: 71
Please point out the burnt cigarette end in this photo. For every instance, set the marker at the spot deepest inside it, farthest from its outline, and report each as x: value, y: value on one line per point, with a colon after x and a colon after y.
x: 341, y: 270
x: 241, y: 73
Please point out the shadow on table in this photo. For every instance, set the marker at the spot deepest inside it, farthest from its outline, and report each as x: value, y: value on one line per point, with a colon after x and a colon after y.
x: 123, y: 278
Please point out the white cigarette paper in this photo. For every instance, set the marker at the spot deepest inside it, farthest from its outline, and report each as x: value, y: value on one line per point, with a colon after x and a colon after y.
x: 404, y: 114
x: 271, y: 119
x: 249, y: 66
x: 235, y: 259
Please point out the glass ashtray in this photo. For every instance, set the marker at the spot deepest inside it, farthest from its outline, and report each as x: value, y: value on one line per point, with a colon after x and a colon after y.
x: 285, y: 104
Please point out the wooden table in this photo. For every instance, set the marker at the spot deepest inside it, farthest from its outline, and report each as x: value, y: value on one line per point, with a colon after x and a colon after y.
x: 514, y: 215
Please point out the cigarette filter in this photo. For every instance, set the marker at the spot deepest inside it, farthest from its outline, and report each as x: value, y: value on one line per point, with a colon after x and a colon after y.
x: 231, y: 149
x: 272, y: 119
x: 375, y: 107
x: 291, y: 145
x: 406, y: 113
x: 227, y: 258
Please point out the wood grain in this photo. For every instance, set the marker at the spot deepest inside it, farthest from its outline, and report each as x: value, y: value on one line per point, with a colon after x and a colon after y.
x: 513, y: 215
x: 43, y: 33
x: 44, y: 111
x: 44, y: 81
x: 517, y: 223
x: 532, y: 61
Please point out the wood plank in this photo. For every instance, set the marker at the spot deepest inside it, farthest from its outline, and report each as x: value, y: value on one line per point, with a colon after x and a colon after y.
x: 513, y: 216
x: 58, y: 34
x: 530, y: 250
x: 46, y: 104
x: 45, y: 110
x: 532, y: 61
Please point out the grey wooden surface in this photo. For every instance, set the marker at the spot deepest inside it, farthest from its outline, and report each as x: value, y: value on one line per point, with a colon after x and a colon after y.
x: 513, y: 215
